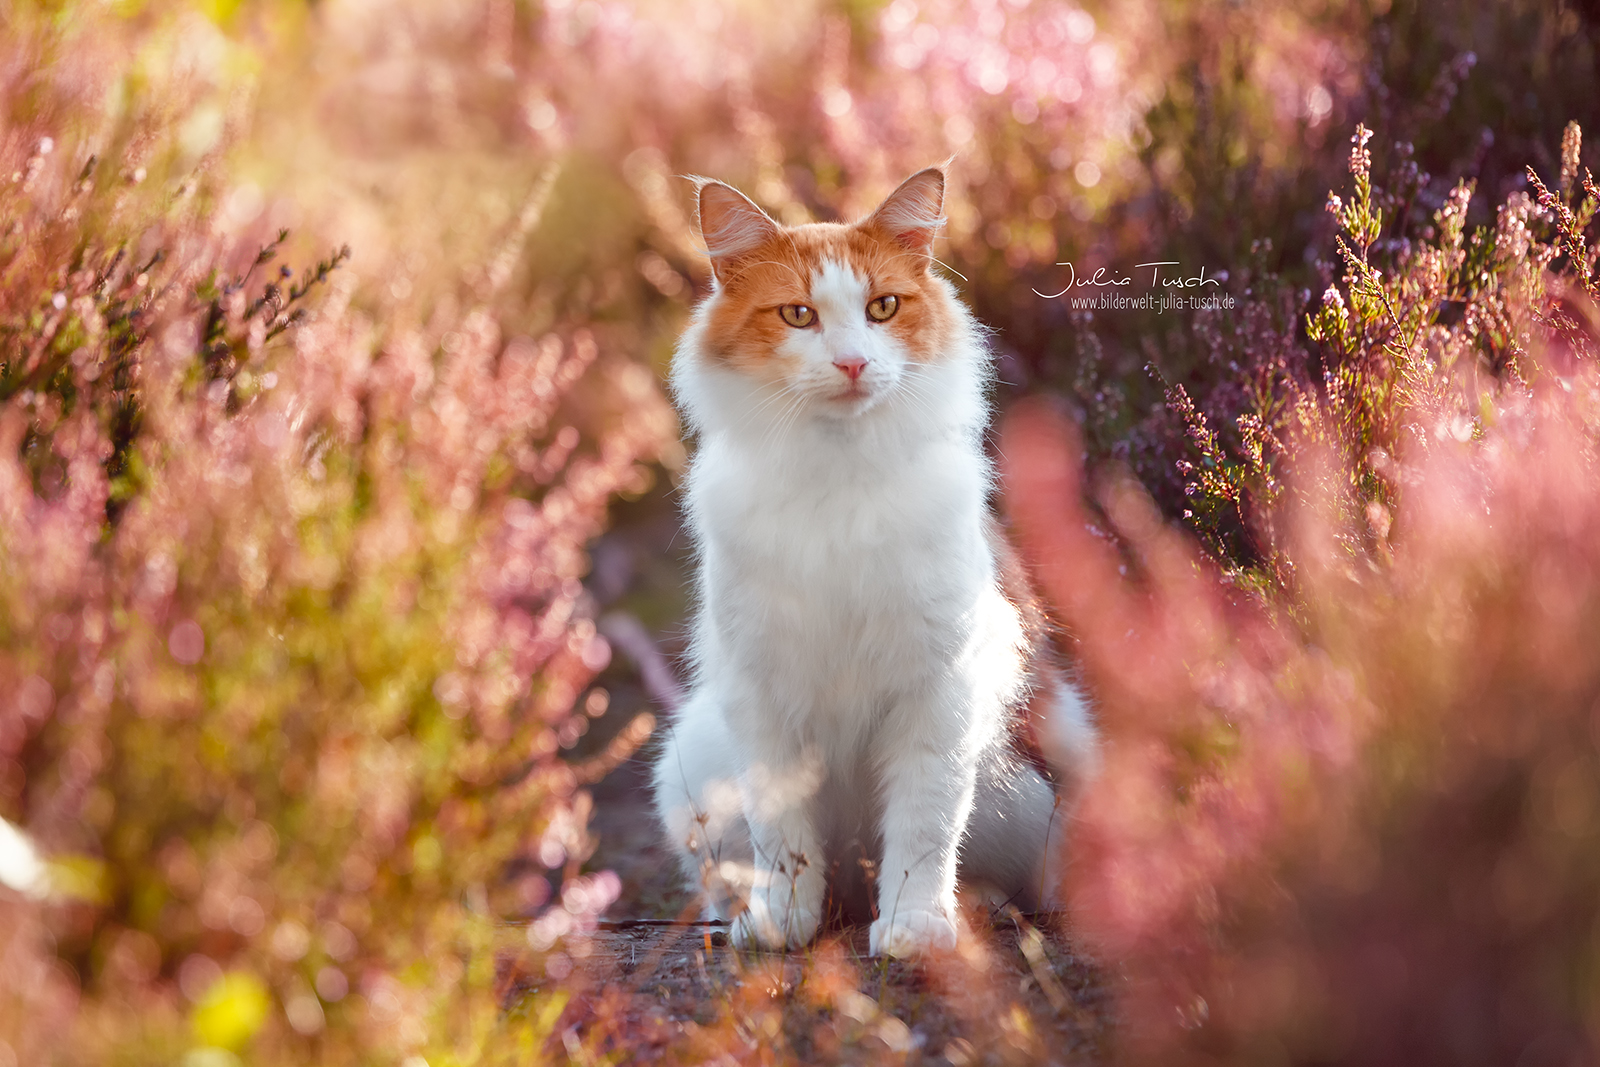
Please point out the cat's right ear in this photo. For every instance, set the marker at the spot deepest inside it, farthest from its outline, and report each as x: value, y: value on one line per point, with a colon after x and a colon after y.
x: 731, y: 226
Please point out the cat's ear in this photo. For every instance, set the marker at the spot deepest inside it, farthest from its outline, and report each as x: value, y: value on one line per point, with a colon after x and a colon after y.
x: 731, y: 225
x: 914, y: 212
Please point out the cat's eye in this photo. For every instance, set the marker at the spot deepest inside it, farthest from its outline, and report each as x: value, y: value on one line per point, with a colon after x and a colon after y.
x: 797, y: 315
x: 883, y: 308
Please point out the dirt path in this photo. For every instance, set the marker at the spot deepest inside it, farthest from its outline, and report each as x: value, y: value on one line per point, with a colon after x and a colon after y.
x: 653, y: 991
x: 676, y: 989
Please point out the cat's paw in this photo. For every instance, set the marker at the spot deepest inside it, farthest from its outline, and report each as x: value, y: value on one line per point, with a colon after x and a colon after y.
x: 912, y: 933
x: 773, y: 925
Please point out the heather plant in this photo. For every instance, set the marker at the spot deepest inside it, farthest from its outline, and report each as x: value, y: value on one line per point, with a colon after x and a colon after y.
x: 295, y: 637
x: 1425, y: 330
x: 1363, y: 834
x: 1236, y: 161
x: 1350, y: 818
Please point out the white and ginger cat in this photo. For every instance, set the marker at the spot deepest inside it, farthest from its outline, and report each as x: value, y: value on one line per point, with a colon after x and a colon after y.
x: 864, y: 648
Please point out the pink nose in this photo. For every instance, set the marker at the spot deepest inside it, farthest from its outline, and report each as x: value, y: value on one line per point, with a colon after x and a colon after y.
x: 851, y: 365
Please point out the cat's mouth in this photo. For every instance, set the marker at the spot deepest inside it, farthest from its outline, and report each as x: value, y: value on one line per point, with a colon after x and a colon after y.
x: 853, y: 393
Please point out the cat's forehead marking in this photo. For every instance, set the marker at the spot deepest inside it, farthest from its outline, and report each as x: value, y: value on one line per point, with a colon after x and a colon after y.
x: 837, y: 284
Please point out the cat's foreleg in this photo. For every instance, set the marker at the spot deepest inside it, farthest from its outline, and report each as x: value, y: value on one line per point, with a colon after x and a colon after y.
x: 928, y: 789
x: 789, y: 879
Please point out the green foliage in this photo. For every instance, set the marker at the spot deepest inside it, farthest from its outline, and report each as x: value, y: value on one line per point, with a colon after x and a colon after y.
x: 1417, y: 343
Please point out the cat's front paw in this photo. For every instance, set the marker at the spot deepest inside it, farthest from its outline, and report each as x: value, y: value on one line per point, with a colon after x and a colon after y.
x: 912, y: 933
x: 773, y: 924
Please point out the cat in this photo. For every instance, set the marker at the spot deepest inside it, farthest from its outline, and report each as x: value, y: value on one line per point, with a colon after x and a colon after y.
x: 864, y: 646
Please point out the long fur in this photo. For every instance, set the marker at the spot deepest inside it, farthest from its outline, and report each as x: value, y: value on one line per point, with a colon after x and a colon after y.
x: 858, y: 666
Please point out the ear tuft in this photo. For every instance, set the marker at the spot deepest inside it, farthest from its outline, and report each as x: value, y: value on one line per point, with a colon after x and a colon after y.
x: 913, y: 213
x: 730, y: 224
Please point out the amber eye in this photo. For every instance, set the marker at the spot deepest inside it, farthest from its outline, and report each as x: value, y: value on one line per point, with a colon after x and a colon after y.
x: 797, y: 315
x: 883, y: 308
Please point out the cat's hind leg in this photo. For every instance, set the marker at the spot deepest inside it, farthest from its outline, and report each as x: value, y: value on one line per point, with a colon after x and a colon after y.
x: 1017, y: 836
x: 700, y: 804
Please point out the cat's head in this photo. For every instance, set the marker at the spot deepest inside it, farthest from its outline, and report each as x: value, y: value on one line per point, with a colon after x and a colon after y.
x: 834, y: 315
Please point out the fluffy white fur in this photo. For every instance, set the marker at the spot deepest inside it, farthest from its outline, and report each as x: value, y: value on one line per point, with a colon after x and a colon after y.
x: 855, y: 662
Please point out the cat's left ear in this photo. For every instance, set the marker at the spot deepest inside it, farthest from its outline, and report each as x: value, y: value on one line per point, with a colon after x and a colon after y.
x: 914, y: 212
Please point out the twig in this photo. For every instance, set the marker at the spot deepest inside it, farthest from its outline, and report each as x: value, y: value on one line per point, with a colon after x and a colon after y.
x: 628, y: 633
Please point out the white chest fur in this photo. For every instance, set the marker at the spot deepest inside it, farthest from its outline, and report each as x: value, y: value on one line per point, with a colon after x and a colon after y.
x: 843, y: 561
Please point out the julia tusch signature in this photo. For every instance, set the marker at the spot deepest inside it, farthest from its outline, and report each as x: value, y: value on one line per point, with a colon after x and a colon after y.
x: 1107, y: 278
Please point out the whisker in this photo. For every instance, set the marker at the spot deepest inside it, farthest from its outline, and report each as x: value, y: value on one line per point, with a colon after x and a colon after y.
x: 790, y: 416
x: 772, y: 398
x: 930, y: 258
x: 785, y: 416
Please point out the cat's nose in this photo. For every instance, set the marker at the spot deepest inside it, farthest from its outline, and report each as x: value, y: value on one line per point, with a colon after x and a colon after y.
x: 851, y: 365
